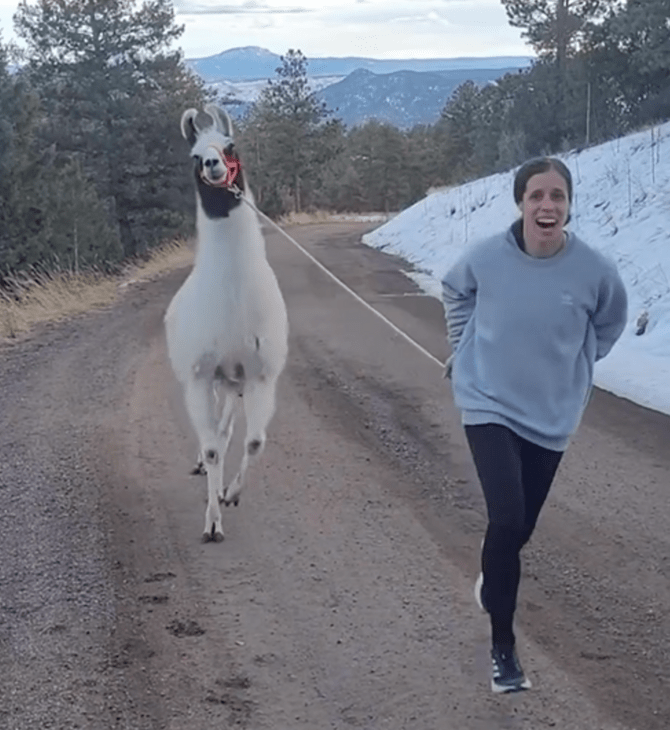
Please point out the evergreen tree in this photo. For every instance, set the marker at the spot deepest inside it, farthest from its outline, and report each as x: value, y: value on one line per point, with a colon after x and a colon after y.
x: 557, y: 30
x: 113, y: 94
x: 633, y: 55
x: 22, y: 210
x: 49, y: 214
x: 379, y: 153
x: 287, y: 137
x: 459, y: 118
x: 423, y: 168
x: 77, y: 234
x: 20, y: 201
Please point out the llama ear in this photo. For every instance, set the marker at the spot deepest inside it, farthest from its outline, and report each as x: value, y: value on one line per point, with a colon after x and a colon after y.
x: 189, y: 129
x: 221, y: 119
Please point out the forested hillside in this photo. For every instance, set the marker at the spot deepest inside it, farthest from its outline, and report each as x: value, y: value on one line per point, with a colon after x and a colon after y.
x: 92, y: 165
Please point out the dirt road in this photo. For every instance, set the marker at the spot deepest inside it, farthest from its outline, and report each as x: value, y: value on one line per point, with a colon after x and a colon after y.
x: 342, y: 595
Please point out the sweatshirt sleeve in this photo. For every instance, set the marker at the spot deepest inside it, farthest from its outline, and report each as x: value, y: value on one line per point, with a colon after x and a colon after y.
x: 459, y: 292
x: 611, y: 315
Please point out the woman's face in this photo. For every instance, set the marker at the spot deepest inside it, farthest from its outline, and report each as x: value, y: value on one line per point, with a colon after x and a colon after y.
x: 545, y: 209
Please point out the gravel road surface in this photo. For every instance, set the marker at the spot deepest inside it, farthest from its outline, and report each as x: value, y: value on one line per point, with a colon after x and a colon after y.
x: 342, y: 594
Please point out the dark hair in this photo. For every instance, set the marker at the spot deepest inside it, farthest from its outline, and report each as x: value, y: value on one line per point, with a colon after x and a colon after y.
x: 537, y: 166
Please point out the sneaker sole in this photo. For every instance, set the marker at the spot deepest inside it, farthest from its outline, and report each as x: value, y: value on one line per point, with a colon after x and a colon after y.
x: 501, y: 689
x: 478, y: 592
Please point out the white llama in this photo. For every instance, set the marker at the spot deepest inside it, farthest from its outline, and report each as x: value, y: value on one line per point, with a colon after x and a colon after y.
x: 227, y: 331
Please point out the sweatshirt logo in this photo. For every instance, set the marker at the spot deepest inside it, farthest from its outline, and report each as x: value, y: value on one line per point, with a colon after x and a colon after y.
x: 566, y: 298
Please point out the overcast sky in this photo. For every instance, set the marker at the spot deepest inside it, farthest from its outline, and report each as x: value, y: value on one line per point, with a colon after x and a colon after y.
x: 371, y: 28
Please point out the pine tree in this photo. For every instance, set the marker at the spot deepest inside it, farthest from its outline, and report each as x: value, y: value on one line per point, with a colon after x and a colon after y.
x: 21, y: 211
x: 557, y: 30
x: 459, y: 117
x: 633, y: 51
x: 379, y: 153
x: 288, y: 138
x: 49, y: 214
x: 113, y: 94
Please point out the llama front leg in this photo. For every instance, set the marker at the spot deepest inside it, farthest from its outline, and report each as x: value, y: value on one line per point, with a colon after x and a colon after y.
x: 259, y: 406
x: 225, y: 431
x: 200, y: 403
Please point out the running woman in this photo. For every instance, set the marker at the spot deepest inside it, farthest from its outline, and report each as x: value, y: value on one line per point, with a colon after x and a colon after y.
x: 529, y: 311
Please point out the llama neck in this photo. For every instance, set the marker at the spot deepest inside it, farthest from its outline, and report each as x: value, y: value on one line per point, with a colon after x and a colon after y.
x: 232, y: 243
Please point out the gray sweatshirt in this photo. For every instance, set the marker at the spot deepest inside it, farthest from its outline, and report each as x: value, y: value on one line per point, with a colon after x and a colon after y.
x: 526, y: 332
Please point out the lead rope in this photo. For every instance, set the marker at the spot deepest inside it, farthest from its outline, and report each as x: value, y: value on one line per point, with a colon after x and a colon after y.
x: 238, y: 194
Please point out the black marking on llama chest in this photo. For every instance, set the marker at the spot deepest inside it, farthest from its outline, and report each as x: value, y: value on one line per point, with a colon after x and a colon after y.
x: 216, y: 202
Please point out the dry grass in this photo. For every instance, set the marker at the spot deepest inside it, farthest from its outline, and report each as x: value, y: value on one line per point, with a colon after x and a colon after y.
x: 51, y: 297
x: 168, y: 257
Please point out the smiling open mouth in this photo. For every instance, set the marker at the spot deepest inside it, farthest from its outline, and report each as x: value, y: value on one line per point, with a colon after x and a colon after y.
x: 546, y: 223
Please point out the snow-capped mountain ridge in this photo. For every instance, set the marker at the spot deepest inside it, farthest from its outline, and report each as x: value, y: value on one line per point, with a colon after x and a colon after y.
x: 401, y: 92
x: 252, y: 63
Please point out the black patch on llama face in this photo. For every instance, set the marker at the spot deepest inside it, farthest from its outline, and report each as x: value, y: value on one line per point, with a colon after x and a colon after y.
x: 217, y: 202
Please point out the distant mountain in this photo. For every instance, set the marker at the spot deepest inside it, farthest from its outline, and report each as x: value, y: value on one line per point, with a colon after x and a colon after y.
x: 403, y: 93
x: 253, y: 63
x: 237, y: 64
x: 404, y: 98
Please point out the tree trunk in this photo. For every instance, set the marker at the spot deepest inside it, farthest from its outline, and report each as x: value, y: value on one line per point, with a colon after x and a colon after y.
x: 297, y: 200
x: 562, y: 8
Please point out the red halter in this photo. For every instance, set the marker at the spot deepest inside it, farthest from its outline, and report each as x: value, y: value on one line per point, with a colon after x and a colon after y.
x: 233, y: 169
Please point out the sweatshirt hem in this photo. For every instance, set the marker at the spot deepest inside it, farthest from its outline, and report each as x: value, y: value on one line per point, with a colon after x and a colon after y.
x: 481, y: 418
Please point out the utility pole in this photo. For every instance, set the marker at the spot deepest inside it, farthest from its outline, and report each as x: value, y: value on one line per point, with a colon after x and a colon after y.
x: 588, y: 113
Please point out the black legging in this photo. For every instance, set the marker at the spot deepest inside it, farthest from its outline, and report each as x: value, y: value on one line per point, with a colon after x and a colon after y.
x: 515, y: 475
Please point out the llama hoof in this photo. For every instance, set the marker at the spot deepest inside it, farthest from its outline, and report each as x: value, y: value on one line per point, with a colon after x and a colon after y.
x: 213, y: 536
x: 226, y: 503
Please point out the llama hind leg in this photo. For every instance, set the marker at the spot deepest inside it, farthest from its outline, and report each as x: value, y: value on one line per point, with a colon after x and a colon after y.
x: 225, y: 431
x: 200, y: 403
x: 259, y: 407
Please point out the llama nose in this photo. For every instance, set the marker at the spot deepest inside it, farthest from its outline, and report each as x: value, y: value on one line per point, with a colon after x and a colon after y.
x: 211, y: 163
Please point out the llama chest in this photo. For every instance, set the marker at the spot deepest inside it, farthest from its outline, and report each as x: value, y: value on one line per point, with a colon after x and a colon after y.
x: 213, y: 324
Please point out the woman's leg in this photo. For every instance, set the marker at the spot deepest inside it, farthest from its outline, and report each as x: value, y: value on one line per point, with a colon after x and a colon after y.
x: 496, y: 451
x: 539, y: 468
x: 516, y: 476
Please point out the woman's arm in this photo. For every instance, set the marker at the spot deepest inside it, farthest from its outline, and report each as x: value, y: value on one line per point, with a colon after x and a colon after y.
x: 459, y: 293
x: 611, y: 315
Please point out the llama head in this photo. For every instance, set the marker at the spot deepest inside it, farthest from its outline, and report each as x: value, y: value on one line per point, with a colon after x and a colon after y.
x: 216, y: 163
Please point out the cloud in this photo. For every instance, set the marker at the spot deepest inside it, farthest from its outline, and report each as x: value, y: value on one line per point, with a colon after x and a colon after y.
x: 248, y: 7
x: 376, y: 28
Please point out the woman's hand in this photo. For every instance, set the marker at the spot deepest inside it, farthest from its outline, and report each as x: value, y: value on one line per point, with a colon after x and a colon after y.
x: 448, y: 366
